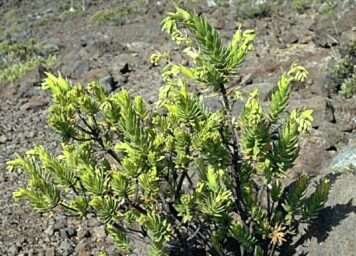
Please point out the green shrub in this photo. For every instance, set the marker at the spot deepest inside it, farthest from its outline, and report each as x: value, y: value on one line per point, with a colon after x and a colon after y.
x: 348, y: 87
x: 16, y: 59
x: 342, y: 73
x: 192, y: 181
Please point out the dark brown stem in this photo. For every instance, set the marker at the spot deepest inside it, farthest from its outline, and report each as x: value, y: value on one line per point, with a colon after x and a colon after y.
x: 236, y: 163
x: 180, y: 183
x: 94, y: 132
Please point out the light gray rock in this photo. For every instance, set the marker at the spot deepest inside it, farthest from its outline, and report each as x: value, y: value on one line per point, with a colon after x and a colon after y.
x: 3, y: 139
x: 346, y: 159
x: 333, y: 233
x: 66, y: 248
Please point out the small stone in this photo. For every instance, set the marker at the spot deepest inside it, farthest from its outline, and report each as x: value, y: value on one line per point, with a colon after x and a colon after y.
x: 67, y: 232
x: 13, y: 251
x: 82, y: 233
x: 61, y: 222
x: 108, y: 83
x: 290, y: 38
x: 71, y: 232
x: 211, y: 3
x: 83, y: 248
x: 100, y: 232
x: 49, y: 230
x: 30, y: 134
x: 66, y: 248
x: 3, y: 139
x: 137, y: 46
x: 50, y: 252
x: 246, y: 80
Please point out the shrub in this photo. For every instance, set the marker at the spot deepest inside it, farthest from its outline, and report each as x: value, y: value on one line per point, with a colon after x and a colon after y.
x: 342, y: 71
x: 301, y: 5
x: 192, y: 181
x: 348, y: 87
x: 16, y: 59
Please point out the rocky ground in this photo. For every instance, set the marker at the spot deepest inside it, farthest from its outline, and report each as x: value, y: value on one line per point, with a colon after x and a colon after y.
x: 116, y: 51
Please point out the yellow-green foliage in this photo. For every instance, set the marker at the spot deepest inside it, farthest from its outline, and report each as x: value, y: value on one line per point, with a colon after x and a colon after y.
x: 348, y: 87
x: 188, y: 179
x: 19, y: 58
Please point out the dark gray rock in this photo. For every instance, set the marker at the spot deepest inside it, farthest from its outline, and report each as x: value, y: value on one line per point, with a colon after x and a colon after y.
x: 108, y: 83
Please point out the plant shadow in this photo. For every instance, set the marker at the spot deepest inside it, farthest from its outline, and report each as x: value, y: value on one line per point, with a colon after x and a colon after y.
x: 320, y: 228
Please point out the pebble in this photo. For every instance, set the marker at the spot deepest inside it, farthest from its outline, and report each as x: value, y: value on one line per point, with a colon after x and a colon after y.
x: 3, y: 139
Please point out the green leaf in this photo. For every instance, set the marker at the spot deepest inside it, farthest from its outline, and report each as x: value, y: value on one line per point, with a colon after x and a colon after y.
x: 316, y: 200
x: 215, y: 204
x: 159, y: 229
x: 120, y: 239
x: 93, y: 179
x: 79, y: 206
x: 106, y: 208
x: 241, y: 234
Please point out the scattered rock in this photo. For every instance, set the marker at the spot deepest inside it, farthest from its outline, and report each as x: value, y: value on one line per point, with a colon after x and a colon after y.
x: 35, y: 103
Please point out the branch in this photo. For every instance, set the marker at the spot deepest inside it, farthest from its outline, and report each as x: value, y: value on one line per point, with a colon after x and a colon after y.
x: 236, y: 161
